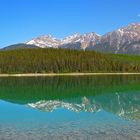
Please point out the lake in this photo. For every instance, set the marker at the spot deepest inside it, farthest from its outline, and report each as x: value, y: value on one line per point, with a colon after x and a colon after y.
x: 103, y: 107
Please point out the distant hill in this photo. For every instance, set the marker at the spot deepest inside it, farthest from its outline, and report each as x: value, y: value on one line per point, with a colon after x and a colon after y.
x: 19, y: 46
x: 52, y: 60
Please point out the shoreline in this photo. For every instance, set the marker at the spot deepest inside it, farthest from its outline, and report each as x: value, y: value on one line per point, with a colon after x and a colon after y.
x: 63, y: 74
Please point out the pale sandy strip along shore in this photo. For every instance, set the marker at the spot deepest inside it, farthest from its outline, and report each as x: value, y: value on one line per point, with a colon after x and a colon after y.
x: 63, y: 74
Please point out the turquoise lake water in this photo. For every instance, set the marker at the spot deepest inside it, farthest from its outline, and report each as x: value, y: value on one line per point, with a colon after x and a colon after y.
x: 70, y: 108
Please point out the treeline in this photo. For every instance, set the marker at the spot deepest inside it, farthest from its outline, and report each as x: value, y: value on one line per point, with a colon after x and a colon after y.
x: 64, y: 61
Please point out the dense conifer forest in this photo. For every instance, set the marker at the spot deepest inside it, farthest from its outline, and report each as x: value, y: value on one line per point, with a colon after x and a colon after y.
x: 65, y: 61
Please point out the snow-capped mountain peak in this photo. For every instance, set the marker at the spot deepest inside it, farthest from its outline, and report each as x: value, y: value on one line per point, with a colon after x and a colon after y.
x: 72, y: 38
x: 49, y: 41
x: 45, y: 41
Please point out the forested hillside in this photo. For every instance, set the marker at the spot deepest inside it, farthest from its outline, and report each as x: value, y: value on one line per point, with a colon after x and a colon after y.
x: 64, y: 61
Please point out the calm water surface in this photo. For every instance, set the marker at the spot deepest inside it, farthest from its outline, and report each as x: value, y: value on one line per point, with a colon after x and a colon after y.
x: 70, y: 108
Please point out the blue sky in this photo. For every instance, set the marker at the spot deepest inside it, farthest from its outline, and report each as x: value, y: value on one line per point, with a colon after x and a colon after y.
x: 21, y: 20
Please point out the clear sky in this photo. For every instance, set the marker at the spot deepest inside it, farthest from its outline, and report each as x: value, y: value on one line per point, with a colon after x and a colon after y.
x: 22, y: 20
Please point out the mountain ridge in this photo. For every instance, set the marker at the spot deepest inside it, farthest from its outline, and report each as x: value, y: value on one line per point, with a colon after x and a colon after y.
x: 125, y: 40
x: 49, y: 41
x: 129, y: 110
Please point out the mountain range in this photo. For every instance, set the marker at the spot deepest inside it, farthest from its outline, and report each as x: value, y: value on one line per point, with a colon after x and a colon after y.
x: 125, y: 40
x: 126, y: 108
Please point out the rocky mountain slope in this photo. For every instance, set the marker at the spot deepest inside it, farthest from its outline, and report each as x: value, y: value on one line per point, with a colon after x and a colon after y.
x: 125, y: 40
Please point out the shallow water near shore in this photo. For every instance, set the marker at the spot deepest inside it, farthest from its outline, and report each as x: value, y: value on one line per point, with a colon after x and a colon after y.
x: 103, y: 107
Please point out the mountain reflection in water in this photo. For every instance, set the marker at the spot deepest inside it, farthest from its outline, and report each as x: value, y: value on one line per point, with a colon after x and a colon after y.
x: 119, y: 95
